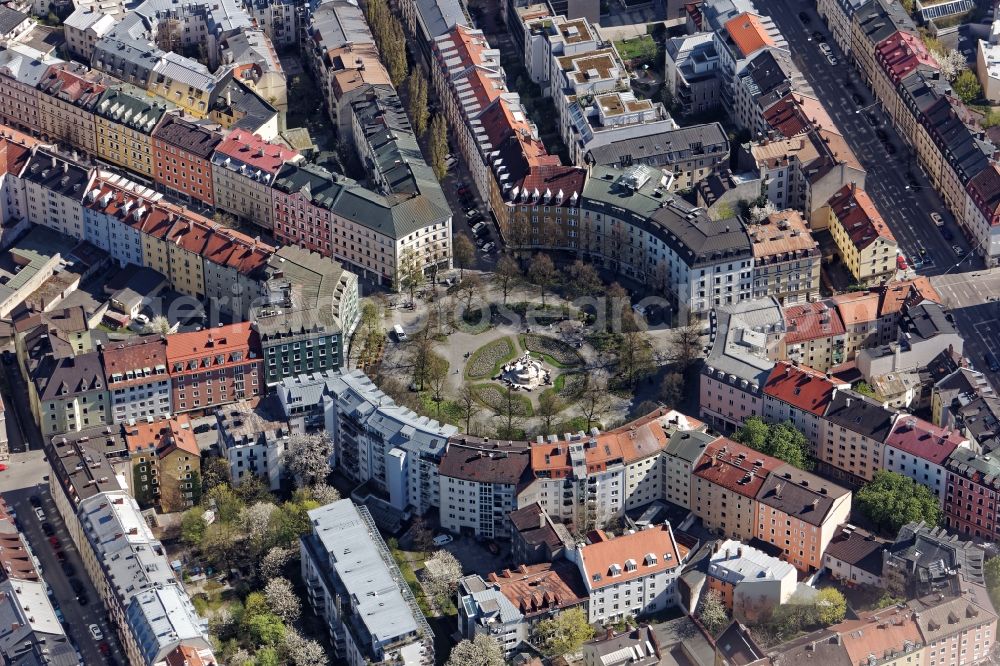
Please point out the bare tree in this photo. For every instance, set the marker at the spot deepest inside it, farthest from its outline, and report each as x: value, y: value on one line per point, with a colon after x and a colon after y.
x: 282, y: 600
x: 464, y: 253
x: 585, y: 278
x: 549, y: 404
x: 542, y: 272
x: 470, y: 287
x: 468, y: 405
x: 672, y: 389
x: 420, y: 358
x: 507, y: 275
x: 686, y: 346
x: 437, y: 377
x: 307, y: 458
x: 635, y: 356
x: 594, y: 400
x: 510, y: 412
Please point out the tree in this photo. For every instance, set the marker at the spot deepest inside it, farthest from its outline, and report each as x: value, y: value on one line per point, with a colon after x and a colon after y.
x: 760, y: 213
x: 416, y: 85
x: 586, y: 281
x: 483, y: 650
x: 991, y: 570
x: 892, y: 500
x: 469, y: 287
x: 324, y: 494
x: 410, y: 274
x: 438, y: 146
x: 951, y: 63
x: 307, y: 458
x: 228, y: 505
x: 783, y: 441
x: 159, y: 324
x: 266, y: 629
x: 967, y: 87
x: 266, y: 656
x: 542, y: 272
x: 593, y: 400
x: 685, y: 346
x: 282, y: 599
x: 437, y: 377
x: 214, y: 472
x: 635, y: 356
x: 371, y: 319
x: 712, y: 612
x: 864, y: 389
x: 442, y: 573
x: 421, y: 535
x: 672, y: 389
x: 420, y: 358
x: 831, y: 606
x: 193, y: 526
x: 507, y: 275
x: 563, y: 634
x: 255, y: 522
x: 302, y: 651
x: 549, y: 404
x: 273, y: 563
x: 468, y: 406
x: 510, y: 411
x: 464, y: 254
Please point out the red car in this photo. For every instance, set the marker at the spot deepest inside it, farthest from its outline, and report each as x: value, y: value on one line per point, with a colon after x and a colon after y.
x: 104, y: 648
x: 901, y: 262
x: 54, y: 540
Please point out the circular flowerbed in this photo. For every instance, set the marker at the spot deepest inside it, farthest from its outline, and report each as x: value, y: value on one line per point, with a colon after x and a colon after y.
x: 485, y: 362
x: 495, y: 397
x: 558, y: 351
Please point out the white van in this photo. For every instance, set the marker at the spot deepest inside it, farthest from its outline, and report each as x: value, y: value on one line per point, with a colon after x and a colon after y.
x: 398, y: 330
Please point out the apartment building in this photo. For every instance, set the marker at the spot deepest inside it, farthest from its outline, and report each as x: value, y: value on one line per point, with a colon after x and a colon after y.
x: 125, y: 120
x: 786, y: 259
x: 838, y: 14
x: 244, y: 167
x: 182, y: 158
x: 800, y: 394
x: 750, y: 582
x: 312, y: 308
x: 895, y: 57
x: 378, y: 441
x: 165, y: 463
x: 479, y: 484
x: 68, y: 94
x: 690, y: 153
x: 767, y: 77
x: 67, y: 393
x: 920, y: 450
x: 506, y: 605
x: 815, y: 335
x: 214, y: 367
x: 746, y: 340
x: 592, y: 479
x: 83, y: 28
x: 147, y: 607
x: 872, y: 23
x: 54, y: 187
x: 357, y: 590
x: 253, y: 440
x: 23, y: 69
x: 724, y: 487
x: 799, y: 513
x: 548, y: 38
x: 854, y: 556
x: 866, y: 244
x: 854, y: 434
x: 692, y: 66
x: 680, y: 456
x: 138, y: 381
x: 982, y: 213
x: 970, y: 494
x: 632, y: 574
x: 924, y: 559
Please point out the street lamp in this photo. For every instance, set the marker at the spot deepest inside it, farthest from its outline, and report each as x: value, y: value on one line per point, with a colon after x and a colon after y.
x: 865, y: 108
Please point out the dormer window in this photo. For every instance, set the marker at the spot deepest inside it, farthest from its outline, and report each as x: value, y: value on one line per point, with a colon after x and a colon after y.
x: 614, y: 570
x: 649, y: 560
x: 629, y: 565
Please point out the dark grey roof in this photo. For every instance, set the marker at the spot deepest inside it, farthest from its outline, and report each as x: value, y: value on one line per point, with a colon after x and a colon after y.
x: 686, y: 229
x: 198, y: 140
x: 688, y: 445
x: 70, y: 376
x: 931, y: 553
x: 967, y: 154
x: 922, y: 87
x: 981, y: 420
x: 858, y: 548
x: 10, y: 19
x: 927, y: 320
x: 135, y: 110
x: 860, y: 414
x: 789, y: 495
x: 234, y: 98
x: 738, y: 647
x: 506, y: 465
x: 819, y: 647
x: 768, y: 73
x: 80, y: 461
x: 881, y: 18
x: 57, y: 174
x: 709, y: 140
x: 437, y: 17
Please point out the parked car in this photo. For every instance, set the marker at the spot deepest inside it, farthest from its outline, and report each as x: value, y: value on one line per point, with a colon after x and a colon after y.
x: 858, y: 99
x: 825, y: 48
x: 35, y: 500
x: 443, y: 539
x: 489, y: 247
x: 68, y: 568
x: 60, y: 556
x: 203, y: 428
x: 889, y: 147
x: 480, y: 228
x: 806, y: 20
x: 47, y: 529
x: 54, y: 541
x: 830, y: 59
x: 471, y: 212
x: 937, y: 219
x: 96, y: 632
x: 991, y: 362
x: 901, y: 262
x: 871, y: 118
x: 40, y: 513
x: 958, y: 250
x: 818, y: 36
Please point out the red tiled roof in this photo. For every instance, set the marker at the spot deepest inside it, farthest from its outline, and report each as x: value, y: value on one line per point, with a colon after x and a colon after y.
x: 857, y: 307
x: 900, y: 53
x: 255, y: 151
x: 795, y: 112
x: 923, y: 439
x: 907, y: 292
x: 541, y: 588
x: 859, y: 217
x: 221, y: 339
x: 605, y: 561
x: 144, y: 352
x: 162, y: 436
x: 733, y: 466
x: 800, y: 386
x: 748, y: 33
x: 811, y: 321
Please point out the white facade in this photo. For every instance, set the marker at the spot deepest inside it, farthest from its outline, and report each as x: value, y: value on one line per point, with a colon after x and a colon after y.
x: 756, y: 581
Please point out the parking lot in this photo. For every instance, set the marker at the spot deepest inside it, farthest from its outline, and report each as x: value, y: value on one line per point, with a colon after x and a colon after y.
x: 24, y: 480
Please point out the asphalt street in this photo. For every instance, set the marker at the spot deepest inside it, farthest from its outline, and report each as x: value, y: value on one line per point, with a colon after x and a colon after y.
x: 972, y: 298
x: 21, y: 427
x: 905, y: 210
x: 25, y: 477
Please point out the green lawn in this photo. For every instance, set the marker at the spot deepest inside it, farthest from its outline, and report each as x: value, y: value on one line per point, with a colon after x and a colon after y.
x: 492, y: 396
x: 641, y: 48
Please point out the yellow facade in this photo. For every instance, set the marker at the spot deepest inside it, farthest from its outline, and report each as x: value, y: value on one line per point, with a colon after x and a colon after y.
x: 189, y: 98
x: 186, y: 271
x: 155, y: 254
x: 176, y: 481
x: 867, y: 264
x: 124, y: 146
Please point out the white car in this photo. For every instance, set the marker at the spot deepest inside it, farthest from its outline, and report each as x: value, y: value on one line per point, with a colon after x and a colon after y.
x: 96, y: 632
x: 140, y: 322
x: 830, y: 59
x: 478, y: 228
x: 937, y: 219
x: 442, y: 539
x: 824, y: 47
x: 489, y: 247
x: 40, y: 513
